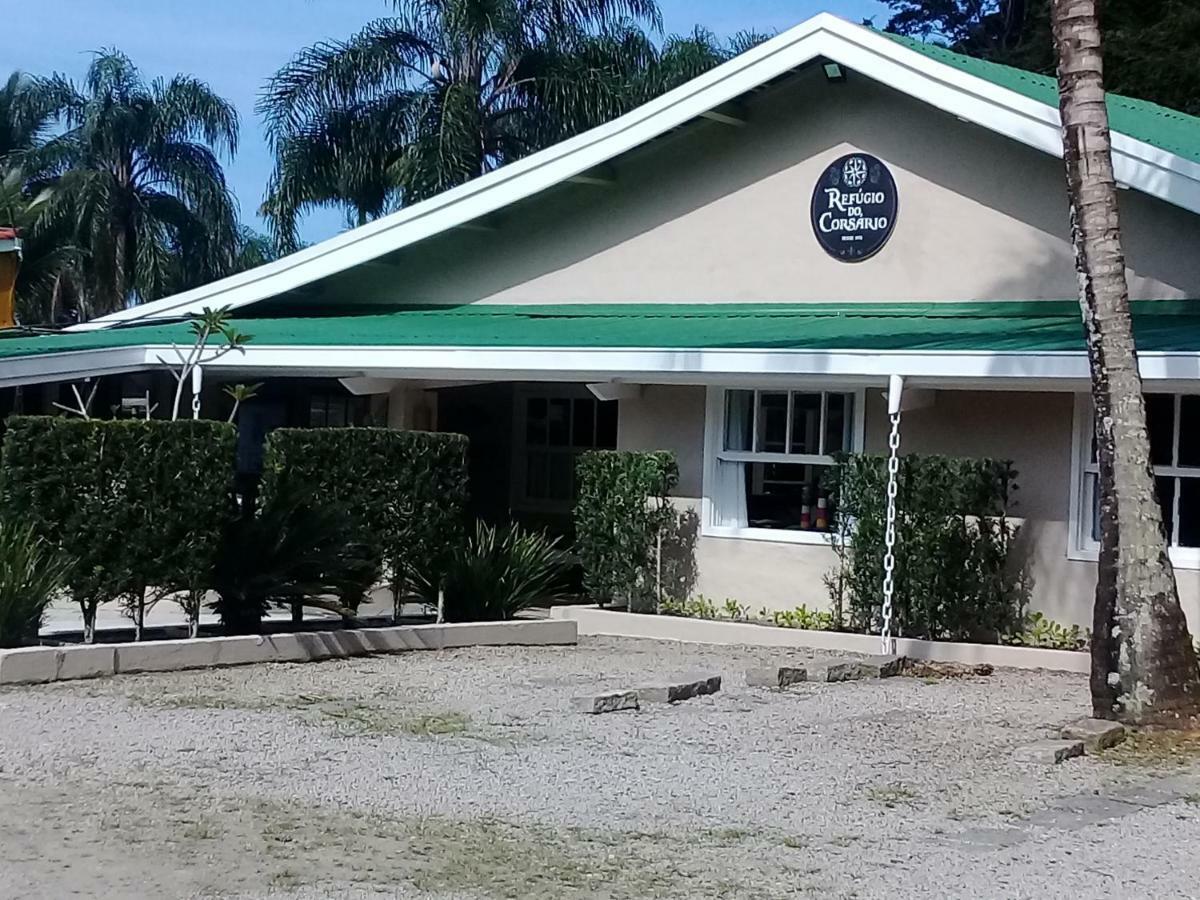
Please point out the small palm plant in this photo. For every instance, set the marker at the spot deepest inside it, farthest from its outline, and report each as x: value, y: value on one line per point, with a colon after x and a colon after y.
x: 499, y: 573
x: 31, y: 575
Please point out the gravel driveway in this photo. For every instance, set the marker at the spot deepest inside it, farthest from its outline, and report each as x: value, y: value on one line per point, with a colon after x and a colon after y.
x: 465, y: 775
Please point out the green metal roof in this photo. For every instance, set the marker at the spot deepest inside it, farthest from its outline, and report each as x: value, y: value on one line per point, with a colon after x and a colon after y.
x: 1156, y: 125
x: 1028, y: 326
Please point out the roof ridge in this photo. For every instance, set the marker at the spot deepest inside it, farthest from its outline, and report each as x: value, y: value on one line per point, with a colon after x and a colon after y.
x: 972, y: 65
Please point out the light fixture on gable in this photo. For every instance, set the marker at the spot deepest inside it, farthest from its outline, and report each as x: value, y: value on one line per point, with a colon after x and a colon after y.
x: 834, y: 72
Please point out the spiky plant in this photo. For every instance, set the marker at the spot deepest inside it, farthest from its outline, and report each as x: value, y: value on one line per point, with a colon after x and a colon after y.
x: 32, y: 573
x: 498, y: 573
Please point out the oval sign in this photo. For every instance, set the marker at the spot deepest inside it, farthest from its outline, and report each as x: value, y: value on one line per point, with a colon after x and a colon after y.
x: 854, y: 207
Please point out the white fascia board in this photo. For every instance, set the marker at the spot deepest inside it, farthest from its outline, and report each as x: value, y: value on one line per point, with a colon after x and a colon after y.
x: 650, y: 365
x: 1147, y: 168
x: 71, y: 365
x: 1062, y: 370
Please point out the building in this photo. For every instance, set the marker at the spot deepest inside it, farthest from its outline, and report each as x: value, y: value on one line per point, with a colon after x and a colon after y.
x: 734, y: 272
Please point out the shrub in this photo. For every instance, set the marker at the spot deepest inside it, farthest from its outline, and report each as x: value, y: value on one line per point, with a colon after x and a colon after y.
x: 290, y: 550
x: 955, y: 578
x: 131, y: 503
x: 31, y: 575
x: 404, y: 493
x: 622, y: 511
x: 1039, y: 631
x: 498, y: 573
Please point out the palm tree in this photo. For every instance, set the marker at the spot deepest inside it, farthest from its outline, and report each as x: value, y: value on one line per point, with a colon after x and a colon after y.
x: 136, y: 174
x: 1144, y: 667
x: 29, y: 108
x: 446, y: 90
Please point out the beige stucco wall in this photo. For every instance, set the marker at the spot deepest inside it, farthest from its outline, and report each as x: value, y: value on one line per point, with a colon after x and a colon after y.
x: 1033, y: 430
x: 714, y: 213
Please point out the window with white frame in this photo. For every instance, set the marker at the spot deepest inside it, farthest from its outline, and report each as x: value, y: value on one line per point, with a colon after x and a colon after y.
x: 1173, y: 421
x: 773, y: 457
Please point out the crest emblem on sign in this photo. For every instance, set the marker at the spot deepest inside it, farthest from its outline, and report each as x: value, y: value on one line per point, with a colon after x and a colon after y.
x: 854, y: 172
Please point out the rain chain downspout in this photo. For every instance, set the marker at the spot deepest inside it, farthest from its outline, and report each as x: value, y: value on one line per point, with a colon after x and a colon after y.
x: 895, y: 395
x: 197, y: 383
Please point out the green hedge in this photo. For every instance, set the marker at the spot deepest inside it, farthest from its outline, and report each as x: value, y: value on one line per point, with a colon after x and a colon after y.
x: 956, y: 576
x: 621, y: 510
x: 404, y: 491
x: 131, y: 503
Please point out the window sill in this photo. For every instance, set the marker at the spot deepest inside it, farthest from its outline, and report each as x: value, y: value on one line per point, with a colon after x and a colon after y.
x: 769, y: 535
x: 1186, y: 559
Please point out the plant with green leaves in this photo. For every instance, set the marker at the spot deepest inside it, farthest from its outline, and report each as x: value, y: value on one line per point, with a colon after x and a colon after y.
x: 203, y: 327
x: 404, y: 493
x: 240, y: 393
x: 135, y: 505
x: 498, y: 573
x: 293, y: 549
x: 623, y: 517
x: 1040, y: 631
x: 956, y: 575
x: 32, y: 574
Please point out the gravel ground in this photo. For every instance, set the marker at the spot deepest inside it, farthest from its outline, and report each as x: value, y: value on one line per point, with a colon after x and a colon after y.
x: 465, y: 775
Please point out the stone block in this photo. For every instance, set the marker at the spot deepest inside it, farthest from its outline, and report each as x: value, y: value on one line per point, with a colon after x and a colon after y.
x: 606, y: 703
x: 28, y: 665
x: 834, y: 670
x: 196, y: 653
x: 776, y: 676
x: 86, y: 661
x: 1049, y: 753
x: 1096, y: 734
x: 684, y: 690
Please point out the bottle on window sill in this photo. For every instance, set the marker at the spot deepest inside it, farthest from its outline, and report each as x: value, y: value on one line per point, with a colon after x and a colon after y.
x: 805, y: 518
x: 822, y: 514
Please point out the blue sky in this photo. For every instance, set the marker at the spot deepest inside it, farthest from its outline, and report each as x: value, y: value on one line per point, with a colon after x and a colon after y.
x: 236, y: 44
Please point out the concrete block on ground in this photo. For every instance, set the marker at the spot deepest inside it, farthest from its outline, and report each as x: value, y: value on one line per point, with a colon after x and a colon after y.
x: 86, y: 661
x: 776, y: 676
x: 1096, y: 734
x: 28, y: 665
x: 198, y: 653
x: 521, y: 632
x: 834, y: 670
x: 606, y: 703
x: 683, y: 690
x: 1048, y: 753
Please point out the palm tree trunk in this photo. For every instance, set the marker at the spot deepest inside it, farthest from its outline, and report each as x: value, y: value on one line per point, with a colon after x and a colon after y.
x: 1144, y: 667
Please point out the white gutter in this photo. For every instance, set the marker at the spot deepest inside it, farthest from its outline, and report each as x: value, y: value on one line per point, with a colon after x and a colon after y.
x: 1060, y: 370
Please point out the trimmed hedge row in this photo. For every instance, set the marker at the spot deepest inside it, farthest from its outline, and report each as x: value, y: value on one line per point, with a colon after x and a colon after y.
x: 131, y: 504
x: 957, y: 575
x: 146, y: 508
x: 405, y: 492
x: 622, y: 510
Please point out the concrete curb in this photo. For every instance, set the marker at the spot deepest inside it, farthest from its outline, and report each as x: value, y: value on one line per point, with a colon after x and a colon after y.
x: 595, y: 621
x: 33, y: 665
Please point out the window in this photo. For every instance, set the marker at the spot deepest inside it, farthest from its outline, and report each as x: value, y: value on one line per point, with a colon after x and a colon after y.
x: 552, y: 432
x: 771, y: 452
x: 1173, y: 421
x: 330, y: 410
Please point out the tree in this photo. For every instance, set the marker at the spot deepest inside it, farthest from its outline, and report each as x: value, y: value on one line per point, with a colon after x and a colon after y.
x: 29, y: 108
x: 1144, y: 667
x: 447, y: 90
x: 1148, y: 43
x: 136, y: 174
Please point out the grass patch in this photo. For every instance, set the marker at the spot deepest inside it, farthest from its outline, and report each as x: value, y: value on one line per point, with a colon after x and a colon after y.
x: 435, y: 724
x: 893, y: 795
x: 1155, y: 749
